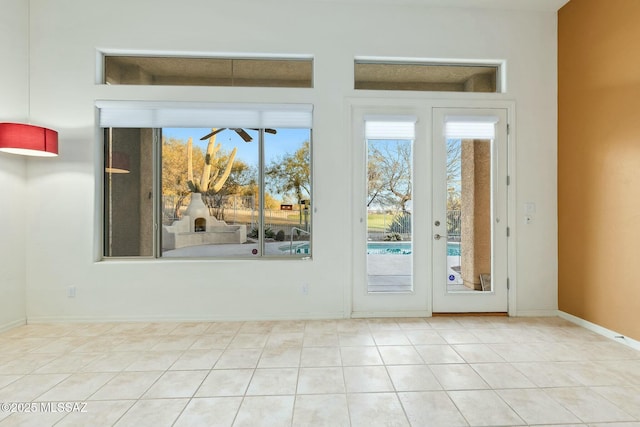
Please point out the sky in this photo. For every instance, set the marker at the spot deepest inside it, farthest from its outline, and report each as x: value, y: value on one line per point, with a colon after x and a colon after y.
x: 286, y: 141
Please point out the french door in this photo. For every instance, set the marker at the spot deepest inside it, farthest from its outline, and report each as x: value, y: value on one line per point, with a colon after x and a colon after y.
x: 469, y: 205
x: 430, y: 203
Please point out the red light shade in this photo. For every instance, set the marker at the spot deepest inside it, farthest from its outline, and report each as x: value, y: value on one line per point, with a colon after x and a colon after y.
x: 28, y: 140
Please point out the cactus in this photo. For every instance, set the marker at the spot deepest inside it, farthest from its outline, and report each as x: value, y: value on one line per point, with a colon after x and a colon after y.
x: 211, y: 180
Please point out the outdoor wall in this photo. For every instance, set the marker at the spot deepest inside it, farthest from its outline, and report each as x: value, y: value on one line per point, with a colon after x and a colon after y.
x: 65, y: 37
x: 599, y: 163
x: 14, y: 90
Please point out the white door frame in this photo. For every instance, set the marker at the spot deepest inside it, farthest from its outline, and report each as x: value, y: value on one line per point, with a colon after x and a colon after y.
x: 422, y: 107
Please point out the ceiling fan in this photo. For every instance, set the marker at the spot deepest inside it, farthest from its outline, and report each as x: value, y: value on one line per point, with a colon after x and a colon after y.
x: 241, y: 132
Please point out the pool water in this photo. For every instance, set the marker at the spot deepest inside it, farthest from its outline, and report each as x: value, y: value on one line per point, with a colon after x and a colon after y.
x: 383, y: 248
x: 404, y: 248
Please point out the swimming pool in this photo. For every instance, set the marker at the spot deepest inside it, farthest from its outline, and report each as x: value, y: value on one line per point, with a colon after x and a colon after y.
x: 404, y: 248
x: 381, y: 248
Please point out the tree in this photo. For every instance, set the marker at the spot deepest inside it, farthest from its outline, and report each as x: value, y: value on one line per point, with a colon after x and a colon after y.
x: 389, y: 173
x: 291, y: 174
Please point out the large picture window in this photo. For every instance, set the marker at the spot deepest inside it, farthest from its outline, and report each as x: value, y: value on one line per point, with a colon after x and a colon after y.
x: 240, y: 190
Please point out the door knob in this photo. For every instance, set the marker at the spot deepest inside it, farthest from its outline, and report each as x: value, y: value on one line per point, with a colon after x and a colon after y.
x: 437, y: 236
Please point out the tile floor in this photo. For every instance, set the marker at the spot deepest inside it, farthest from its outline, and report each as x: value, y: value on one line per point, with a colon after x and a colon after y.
x: 462, y: 371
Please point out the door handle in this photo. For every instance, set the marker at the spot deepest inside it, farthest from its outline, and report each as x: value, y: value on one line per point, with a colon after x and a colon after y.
x: 437, y: 236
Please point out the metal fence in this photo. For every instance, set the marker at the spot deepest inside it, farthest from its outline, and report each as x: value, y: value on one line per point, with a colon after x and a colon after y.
x: 397, y: 225
x: 236, y: 210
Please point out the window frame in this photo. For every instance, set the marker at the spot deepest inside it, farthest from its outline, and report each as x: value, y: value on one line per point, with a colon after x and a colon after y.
x: 157, y: 184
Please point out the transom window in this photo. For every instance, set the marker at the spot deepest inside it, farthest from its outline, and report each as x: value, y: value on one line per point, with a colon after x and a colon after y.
x: 240, y: 190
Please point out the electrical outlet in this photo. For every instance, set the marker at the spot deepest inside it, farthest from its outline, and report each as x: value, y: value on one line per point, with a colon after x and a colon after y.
x: 304, y: 289
x: 71, y: 292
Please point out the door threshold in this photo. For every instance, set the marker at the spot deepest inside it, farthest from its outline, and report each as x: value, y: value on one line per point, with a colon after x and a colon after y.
x: 472, y: 314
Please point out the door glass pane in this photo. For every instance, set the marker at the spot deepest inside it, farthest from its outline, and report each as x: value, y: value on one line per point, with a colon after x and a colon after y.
x: 469, y: 222
x: 389, y: 219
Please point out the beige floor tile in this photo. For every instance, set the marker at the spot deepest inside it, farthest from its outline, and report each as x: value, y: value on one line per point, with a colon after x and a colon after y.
x: 519, y: 352
x: 546, y: 374
x: 321, y: 327
x: 444, y: 323
x: 28, y: 387
x: 153, y: 412
x: 8, y: 379
x: 593, y: 373
x: 458, y: 337
x: 355, y: 339
x: 273, y: 382
x: 287, y: 326
x: 210, y: 412
x: 104, y: 413
x: 225, y: 382
x: 484, y: 408
x: 438, y: 354
x: 477, y: 353
x: 21, y: 364
x: 400, y: 355
x: 360, y: 356
x: 588, y: 405
x: 191, y: 328
x: 257, y: 327
x: 321, y: 380
x: 137, y: 343
x: 265, y: 411
x: 390, y: 338
x: 238, y: 358
x: 76, y: 387
x: 127, y: 385
x: 376, y: 409
x: 61, y: 345
x: 212, y: 342
x: 431, y: 409
x: 100, y: 343
x: 320, y: 339
x: 365, y: 379
x: 383, y: 324
x: 321, y: 410
x: 536, y: 407
x: 154, y: 361
x: 224, y: 328
x: 68, y: 363
x: 197, y: 359
x: 502, y: 375
x: 413, y: 378
x: 409, y: 324
x: 280, y: 357
x: 422, y: 337
x: 352, y: 326
x: 320, y: 356
x: 249, y: 340
x: 458, y: 377
x: 176, y: 384
x: 285, y: 339
x: 174, y: 343
x: 111, y: 362
x: 40, y: 419
x: 626, y: 398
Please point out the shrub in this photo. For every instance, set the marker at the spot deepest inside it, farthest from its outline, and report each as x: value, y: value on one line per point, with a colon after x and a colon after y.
x: 401, y: 223
x: 280, y: 236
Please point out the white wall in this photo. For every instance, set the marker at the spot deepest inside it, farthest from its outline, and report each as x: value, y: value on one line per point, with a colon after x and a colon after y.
x: 62, y: 244
x: 14, y: 84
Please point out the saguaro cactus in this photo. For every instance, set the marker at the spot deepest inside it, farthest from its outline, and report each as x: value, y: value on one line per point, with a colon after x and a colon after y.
x: 211, y: 180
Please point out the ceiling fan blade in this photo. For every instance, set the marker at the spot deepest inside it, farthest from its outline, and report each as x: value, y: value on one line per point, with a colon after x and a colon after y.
x: 209, y: 135
x: 244, y: 135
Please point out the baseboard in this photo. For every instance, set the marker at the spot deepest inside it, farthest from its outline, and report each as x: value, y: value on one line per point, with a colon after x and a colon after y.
x: 615, y: 336
x: 537, y: 313
x: 14, y: 324
x: 107, y: 319
x: 380, y: 314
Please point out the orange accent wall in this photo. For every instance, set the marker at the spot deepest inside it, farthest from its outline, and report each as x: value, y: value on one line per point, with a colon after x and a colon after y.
x: 599, y: 163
